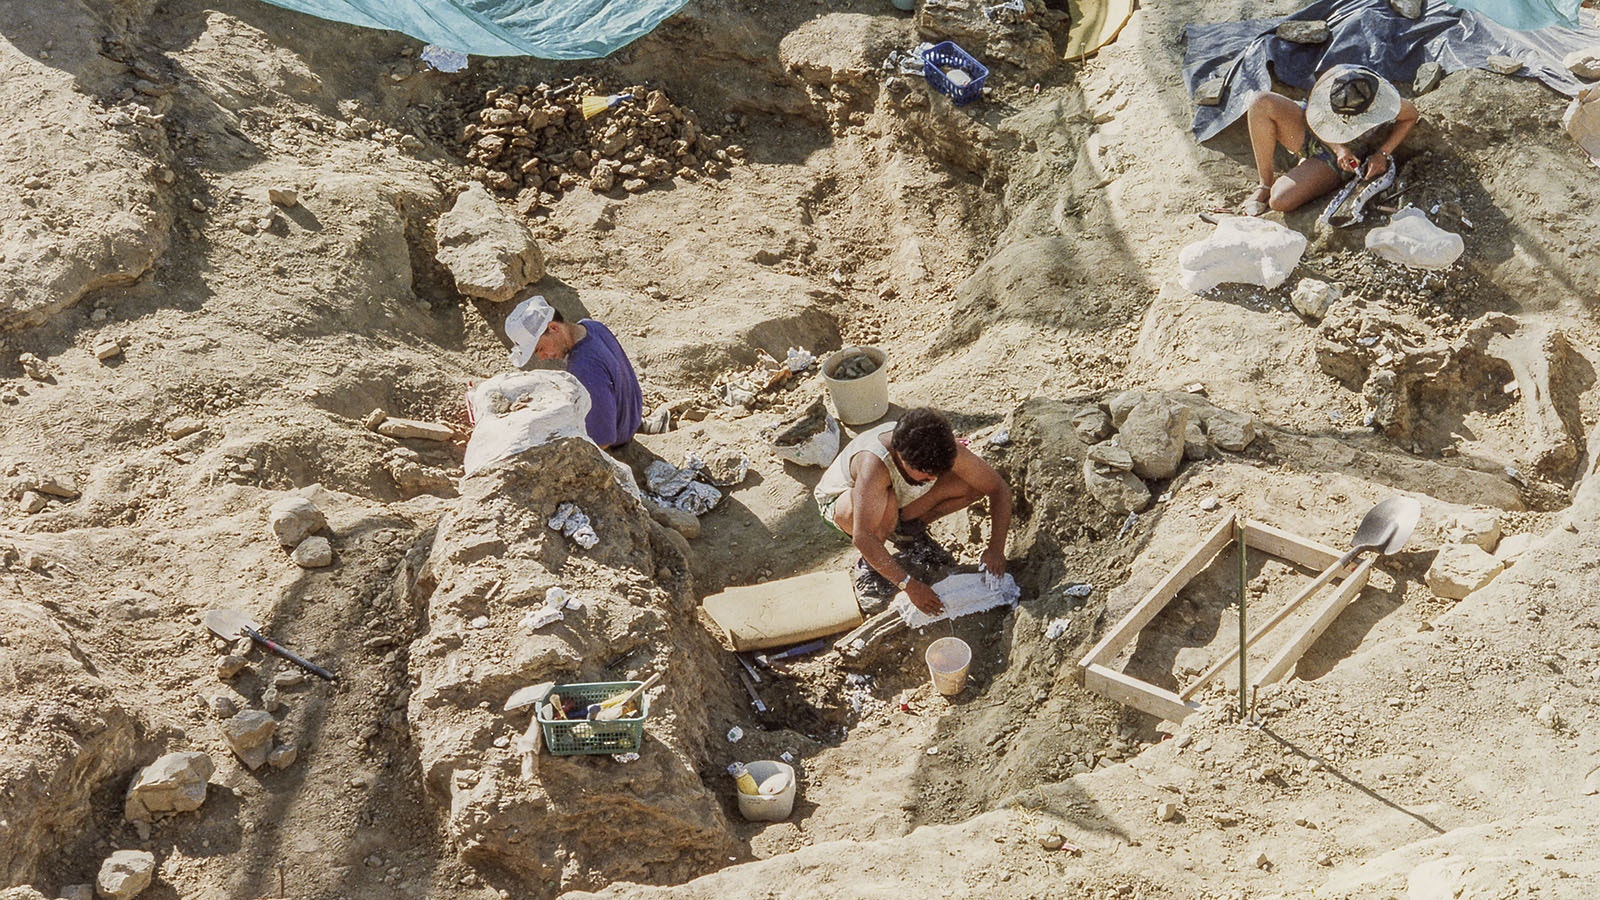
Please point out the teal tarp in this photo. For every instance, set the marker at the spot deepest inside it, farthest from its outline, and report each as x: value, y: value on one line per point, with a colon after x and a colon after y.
x: 1525, y: 15
x: 548, y: 29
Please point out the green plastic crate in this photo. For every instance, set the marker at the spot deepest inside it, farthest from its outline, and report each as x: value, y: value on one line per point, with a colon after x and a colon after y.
x: 580, y: 737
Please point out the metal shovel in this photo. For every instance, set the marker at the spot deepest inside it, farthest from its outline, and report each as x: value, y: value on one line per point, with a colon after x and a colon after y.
x: 1385, y: 528
x: 231, y: 623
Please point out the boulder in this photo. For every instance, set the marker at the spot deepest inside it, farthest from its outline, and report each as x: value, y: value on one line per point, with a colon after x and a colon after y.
x: 1230, y: 431
x: 1122, y: 404
x: 1480, y: 527
x: 683, y: 522
x: 172, y: 784
x: 313, y: 553
x: 1153, y: 435
x: 294, y: 518
x: 1093, y: 424
x: 1511, y: 548
x: 1195, y: 443
x: 1429, y: 74
x: 249, y: 735
x: 1460, y: 569
x: 1111, y: 457
x: 124, y: 874
x: 488, y: 250
x: 1119, y: 492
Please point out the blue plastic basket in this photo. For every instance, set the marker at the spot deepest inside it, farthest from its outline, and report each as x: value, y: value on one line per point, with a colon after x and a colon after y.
x: 949, y: 56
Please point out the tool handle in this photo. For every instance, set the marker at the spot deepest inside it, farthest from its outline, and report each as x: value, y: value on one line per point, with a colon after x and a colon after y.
x: 290, y: 655
x: 622, y: 700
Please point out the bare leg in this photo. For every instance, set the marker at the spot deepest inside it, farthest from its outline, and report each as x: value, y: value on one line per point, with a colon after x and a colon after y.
x: 844, y: 516
x: 1274, y: 120
x: 1300, y: 185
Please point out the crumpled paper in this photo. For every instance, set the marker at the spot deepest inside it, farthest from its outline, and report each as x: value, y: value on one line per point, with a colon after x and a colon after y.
x: 678, y: 488
x: 570, y: 521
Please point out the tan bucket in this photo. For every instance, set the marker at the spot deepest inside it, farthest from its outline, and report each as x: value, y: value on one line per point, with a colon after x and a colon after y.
x: 948, y: 659
x: 858, y: 400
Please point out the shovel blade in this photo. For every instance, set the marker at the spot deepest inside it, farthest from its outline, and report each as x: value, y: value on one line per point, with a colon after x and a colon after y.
x: 1387, y: 526
x: 229, y: 623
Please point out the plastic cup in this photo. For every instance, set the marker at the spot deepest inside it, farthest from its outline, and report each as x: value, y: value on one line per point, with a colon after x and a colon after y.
x: 948, y: 659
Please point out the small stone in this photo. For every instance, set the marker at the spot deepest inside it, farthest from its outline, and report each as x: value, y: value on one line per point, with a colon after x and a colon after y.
x: 223, y: 707
x: 1411, y: 9
x: 107, y: 350
x: 1429, y: 74
x: 1210, y: 93
x: 313, y: 553
x: 270, y: 701
x: 288, y: 679
x: 294, y: 518
x: 1210, y: 503
x: 284, y: 197
x: 1548, y: 717
x: 1261, y: 861
x: 1311, y: 298
x: 32, y: 502
x: 1166, y: 811
x: 228, y: 666
x: 182, y: 427
x: 124, y: 874
x: 479, y: 623
x: 1584, y: 63
x: 374, y: 419
x: 283, y: 756
x: 249, y: 734
x: 172, y: 784
x: 414, y: 429
x: 1310, y: 31
x: 1049, y: 837
x: 1324, y: 858
x: 1503, y: 65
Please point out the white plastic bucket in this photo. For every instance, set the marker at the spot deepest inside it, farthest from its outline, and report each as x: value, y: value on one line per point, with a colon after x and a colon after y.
x: 948, y: 659
x: 858, y: 400
x: 768, y: 807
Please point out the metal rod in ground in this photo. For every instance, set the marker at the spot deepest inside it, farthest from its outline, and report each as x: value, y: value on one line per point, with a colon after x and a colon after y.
x: 1244, y: 587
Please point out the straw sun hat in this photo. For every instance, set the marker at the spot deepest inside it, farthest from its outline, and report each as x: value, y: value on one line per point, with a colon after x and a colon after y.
x: 1348, y: 101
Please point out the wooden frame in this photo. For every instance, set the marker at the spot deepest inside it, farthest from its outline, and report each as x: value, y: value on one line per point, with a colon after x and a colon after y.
x: 1141, y: 695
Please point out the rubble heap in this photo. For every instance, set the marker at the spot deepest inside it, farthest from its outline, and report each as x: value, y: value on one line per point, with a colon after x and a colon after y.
x: 536, y: 140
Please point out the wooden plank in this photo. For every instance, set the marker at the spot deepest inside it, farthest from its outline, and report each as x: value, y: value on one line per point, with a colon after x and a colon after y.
x: 1160, y: 595
x: 1308, y: 634
x: 1306, y: 593
x: 1292, y: 547
x: 1130, y: 691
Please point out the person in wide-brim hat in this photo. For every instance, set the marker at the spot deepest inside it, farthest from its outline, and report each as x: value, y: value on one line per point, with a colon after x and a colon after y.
x: 1350, y: 124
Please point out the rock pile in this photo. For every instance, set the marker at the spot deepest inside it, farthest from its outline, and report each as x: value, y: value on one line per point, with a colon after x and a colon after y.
x: 172, y: 784
x: 1138, y: 436
x: 536, y: 139
x: 294, y: 523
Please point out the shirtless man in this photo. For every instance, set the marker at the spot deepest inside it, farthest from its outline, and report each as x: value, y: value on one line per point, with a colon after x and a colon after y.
x: 891, y: 481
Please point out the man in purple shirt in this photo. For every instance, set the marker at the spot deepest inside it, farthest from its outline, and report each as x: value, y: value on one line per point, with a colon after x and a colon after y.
x: 592, y: 355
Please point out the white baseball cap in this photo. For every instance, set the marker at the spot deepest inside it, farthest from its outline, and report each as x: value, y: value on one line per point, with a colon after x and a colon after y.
x: 525, y: 326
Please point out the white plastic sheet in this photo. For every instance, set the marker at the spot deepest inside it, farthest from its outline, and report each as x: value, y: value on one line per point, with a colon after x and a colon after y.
x: 962, y: 595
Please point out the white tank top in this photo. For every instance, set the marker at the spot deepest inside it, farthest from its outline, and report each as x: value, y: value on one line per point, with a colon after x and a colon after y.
x: 838, y: 480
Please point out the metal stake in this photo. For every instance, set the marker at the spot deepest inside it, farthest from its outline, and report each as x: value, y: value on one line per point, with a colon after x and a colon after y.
x: 1243, y: 589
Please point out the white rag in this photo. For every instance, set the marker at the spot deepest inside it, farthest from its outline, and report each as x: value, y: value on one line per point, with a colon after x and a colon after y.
x: 962, y: 595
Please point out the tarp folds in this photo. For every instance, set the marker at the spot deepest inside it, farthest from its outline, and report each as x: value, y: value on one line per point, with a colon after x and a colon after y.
x: 548, y: 29
x: 1369, y: 33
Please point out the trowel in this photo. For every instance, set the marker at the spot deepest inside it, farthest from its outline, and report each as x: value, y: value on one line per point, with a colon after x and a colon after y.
x: 1385, y: 528
x: 231, y: 623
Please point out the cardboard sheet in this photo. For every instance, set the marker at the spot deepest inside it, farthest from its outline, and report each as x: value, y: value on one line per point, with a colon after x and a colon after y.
x: 786, y: 611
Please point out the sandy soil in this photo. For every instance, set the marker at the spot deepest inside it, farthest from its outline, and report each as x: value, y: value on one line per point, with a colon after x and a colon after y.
x: 1017, y: 260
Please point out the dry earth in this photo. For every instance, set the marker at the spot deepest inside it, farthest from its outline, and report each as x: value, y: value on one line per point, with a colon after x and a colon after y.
x: 1017, y: 259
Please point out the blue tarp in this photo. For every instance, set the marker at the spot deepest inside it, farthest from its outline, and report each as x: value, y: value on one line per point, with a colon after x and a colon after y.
x: 1526, y: 15
x: 548, y: 29
x: 1366, y: 32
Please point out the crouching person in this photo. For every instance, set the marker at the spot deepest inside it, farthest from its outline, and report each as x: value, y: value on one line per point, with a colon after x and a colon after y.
x: 890, y: 482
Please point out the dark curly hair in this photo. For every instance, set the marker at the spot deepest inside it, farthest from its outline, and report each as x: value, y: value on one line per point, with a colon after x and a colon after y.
x: 924, y: 441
